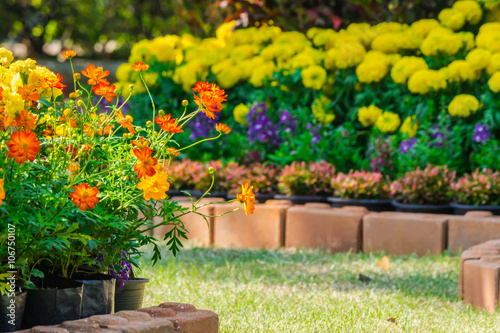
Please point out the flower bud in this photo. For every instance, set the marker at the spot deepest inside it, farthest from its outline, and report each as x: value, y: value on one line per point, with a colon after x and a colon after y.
x: 185, y: 102
x: 3, y: 146
x: 149, y: 123
x: 161, y: 113
x: 211, y: 170
x: 2, y: 171
x: 104, y: 146
x: 131, y: 87
x: 80, y: 103
x: 77, y: 76
x: 51, y: 109
x: 73, y: 95
x: 98, y: 184
x: 118, y: 92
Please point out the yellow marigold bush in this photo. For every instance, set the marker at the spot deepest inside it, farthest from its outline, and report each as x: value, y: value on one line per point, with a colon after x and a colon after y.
x: 368, y: 115
x: 405, y: 67
x: 425, y: 80
x: 410, y: 126
x: 388, y: 122
x: 463, y: 106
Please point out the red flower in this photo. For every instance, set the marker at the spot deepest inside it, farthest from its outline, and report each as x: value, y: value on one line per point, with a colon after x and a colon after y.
x: 146, y: 165
x: 140, y: 66
x: 105, y: 90
x: 95, y: 75
x: 51, y: 82
x: 209, y: 98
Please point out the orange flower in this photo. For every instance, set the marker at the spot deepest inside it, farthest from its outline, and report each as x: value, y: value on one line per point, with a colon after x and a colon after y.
x: 126, y: 121
x: 28, y: 93
x: 140, y: 66
x: 1, y: 93
x: 168, y: 125
x: 210, y: 98
x: 23, y: 146
x: 2, y: 192
x: 27, y: 120
x: 69, y: 54
x: 89, y: 129
x: 172, y: 151
x: 142, y: 142
x: 52, y: 82
x: 86, y: 147
x: 223, y: 128
x: 146, y: 165
x: 105, y: 90
x: 84, y: 196
x: 73, y: 168
x: 95, y: 75
x: 247, y: 198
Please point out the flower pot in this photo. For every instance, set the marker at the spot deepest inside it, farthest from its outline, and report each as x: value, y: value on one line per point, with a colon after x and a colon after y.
x: 98, y: 294
x: 131, y: 296
x: 301, y: 199
x: 58, y: 299
x: 430, y: 209
x: 461, y: 209
x: 260, y: 198
x: 12, y: 313
x: 375, y: 205
x: 176, y: 193
x: 198, y: 194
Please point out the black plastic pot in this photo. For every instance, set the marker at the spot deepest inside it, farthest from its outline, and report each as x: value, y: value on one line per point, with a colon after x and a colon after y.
x: 131, y: 296
x: 260, y: 198
x: 58, y: 299
x: 301, y: 199
x: 98, y: 294
x: 12, y: 313
x: 375, y: 205
x: 430, y: 209
x: 176, y: 193
x: 461, y: 209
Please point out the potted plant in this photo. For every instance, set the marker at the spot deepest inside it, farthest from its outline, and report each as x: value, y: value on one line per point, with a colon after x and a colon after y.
x: 361, y: 188
x: 184, y: 174
x: 303, y: 182
x: 479, y: 190
x: 80, y: 184
x: 424, y: 191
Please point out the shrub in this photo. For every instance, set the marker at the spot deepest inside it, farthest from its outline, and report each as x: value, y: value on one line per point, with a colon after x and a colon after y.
x: 481, y: 187
x: 263, y: 177
x: 301, y: 178
x: 360, y: 185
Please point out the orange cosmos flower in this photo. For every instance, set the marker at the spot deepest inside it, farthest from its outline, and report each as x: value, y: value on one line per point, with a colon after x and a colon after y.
x: 23, y: 146
x: 142, y: 142
x: 140, y: 66
x: 86, y: 147
x: 84, y: 196
x: 69, y: 54
x: 126, y: 121
x: 95, y: 75
x: 168, y: 125
x: 26, y: 120
x: 28, y: 93
x: 223, y: 128
x: 147, y: 163
x: 52, y: 82
x: 172, y: 151
x: 1, y: 93
x: 210, y: 98
x: 73, y: 168
x: 105, y: 90
x: 247, y: 198
x: 2, y: 192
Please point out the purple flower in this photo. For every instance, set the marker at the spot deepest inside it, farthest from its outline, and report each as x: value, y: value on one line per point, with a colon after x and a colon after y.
x: 287, y: 122
x: 438, y: 136
x: 202, y: 125
x: 314, y: 132
x: 481, y: 133
x: 406, y: 145
x: 260, y: 126
x: 124, y: 271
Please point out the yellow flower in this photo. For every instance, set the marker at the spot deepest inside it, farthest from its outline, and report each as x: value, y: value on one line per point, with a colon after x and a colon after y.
x: 388, y: 122
x: 494, y: 82
x: 478, y: 58
x: 6, y: 57
x: 470, y: 9
x: 368, y: 116
x: 240, y: 113
x: 247, y: 198
x: 225, y: 30
x: 463, y: 106
x: 349, y: 55
x: 13, y: 103
x: 405, y: 67
x: 262, y: 73
x: 410, y: 126
x: 321, y: 111
x: 493, y: 64
x: 23, y: 66
x: 324, y: 37
x: 461, y: 71
x: 229, y: 77
x: 488, y: 39
x: 441, y: 42
x: 451, y: 18
x: 422, y: 27
x: 302, y: 60
x: 155, y: 187
x: 314, y: 77
x: 467, y: 38
x: 425, y: 80
x: 372, y: 70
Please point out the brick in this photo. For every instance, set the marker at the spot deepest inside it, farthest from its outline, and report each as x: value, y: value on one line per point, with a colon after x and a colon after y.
x: 82, y: 325
x: 156, y: 311
x: 481, y: 284
x: 478, y: 213
x: 466, y: 255
x: 134, y: 316
x: 107, y: 320
x: 46, y: 329
x: 178, y: 307
x: 404, y: 233
x: 263, y: 229
x: 318, y: 205
x: 188, y: 319
x: 356, y: 209
x: 335, y: 229
x: 466, y: 231
x: 278, y: 202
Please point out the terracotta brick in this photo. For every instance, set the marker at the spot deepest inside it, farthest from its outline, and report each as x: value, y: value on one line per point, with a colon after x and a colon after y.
x: 317, y: 205
x: 46, y: 329
x: 404, y: 233
x: 180, y: 198
x: 134, y: 316
x: 188, y: 319
x: 178, y: 307
x: 278, y: 202
x: 263, y: 229
x: 335, y: 229
x: 107, y: 320
x: 356, y: 209
x: 156, y: 311
x: 478, y: 213
x: 481, y: 284
x: 465, y: 231
x: 466, y: 255
x: 82, y: 325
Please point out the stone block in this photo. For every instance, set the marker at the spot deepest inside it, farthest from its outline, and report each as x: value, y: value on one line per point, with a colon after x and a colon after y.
x: 481, y: 284
x: 478, y: 213
x: 467, y: 231
x: 278, y: 202
x: 46, y: 329
x: 405, y: 233
x: 263, y: 229
x: 318, y: 205
x: 188, y: 319
x: 335, y: 229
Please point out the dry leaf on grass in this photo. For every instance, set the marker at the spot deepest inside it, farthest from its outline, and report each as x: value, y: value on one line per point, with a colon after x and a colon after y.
x: 384, y: 263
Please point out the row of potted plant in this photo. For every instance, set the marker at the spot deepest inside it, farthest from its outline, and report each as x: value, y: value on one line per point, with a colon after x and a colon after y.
x: 421, y: 189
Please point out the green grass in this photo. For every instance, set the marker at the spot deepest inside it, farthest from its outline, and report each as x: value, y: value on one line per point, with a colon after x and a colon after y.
x: 314, y: 291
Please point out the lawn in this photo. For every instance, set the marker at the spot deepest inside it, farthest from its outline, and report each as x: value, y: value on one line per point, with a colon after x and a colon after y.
x: 290, y: 290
